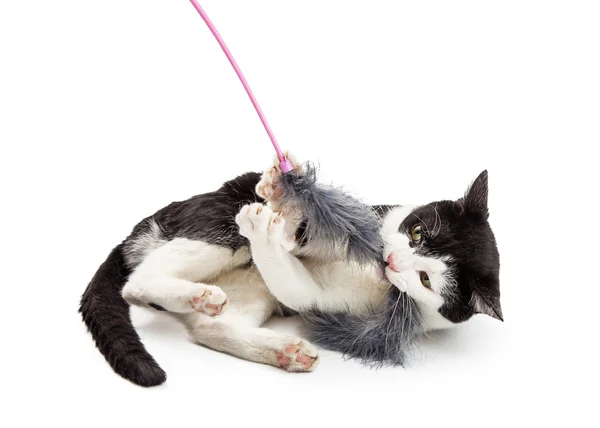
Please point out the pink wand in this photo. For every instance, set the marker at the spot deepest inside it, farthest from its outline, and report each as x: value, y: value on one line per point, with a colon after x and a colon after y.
x: 284, y: 164
x: 333, y: 218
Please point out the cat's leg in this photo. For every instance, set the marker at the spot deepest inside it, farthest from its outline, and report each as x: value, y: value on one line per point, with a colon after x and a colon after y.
x: 171, y: 276
x: 237, y: 332
x: 175, y: 295
x: 335, y: 285
x: 287, y: 278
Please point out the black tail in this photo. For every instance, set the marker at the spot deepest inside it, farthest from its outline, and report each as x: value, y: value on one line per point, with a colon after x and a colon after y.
x: 106, y: 315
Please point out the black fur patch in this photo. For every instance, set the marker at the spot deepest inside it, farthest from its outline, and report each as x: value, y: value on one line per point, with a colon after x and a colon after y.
x: 157, y: 307
x: 209, y: 217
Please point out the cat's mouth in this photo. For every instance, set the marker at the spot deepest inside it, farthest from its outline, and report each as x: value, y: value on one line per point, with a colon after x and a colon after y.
x: 381, y: 270
x: 391, y: 275
x: 391, y: 267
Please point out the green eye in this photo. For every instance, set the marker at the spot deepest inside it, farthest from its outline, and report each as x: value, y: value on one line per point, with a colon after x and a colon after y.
x: 415, y: 233
x: 425, y: 280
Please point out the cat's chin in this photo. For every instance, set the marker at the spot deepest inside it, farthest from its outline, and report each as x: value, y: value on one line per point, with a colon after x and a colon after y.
x: 391, y: 276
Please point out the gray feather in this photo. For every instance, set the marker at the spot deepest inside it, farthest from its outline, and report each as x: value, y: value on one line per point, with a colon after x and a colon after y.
x: 382, y: 337
x: 334, y: 218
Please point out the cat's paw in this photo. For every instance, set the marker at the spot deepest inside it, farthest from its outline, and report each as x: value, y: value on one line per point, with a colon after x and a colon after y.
x: 297, y: 356
x: 268, y: 187
x: 263, y: 227
x: 212, y: 302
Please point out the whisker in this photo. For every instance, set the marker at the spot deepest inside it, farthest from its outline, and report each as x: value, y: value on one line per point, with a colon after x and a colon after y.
x: 403, y: 321
x: 423, y: 223
x: 387, y: 334
x: 437, y: 217
x: 385, y: 292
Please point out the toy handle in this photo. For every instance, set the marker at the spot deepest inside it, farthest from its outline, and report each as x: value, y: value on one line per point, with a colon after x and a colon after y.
x: 284, y: 164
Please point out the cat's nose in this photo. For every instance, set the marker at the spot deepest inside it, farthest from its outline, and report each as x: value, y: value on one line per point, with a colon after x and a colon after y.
x: 393, y: 262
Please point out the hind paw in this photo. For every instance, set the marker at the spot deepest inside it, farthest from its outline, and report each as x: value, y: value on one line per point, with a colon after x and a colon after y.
x: 297, y: 356
x: 212, y: 302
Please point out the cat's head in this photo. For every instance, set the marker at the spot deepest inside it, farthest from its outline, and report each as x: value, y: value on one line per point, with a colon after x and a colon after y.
x: 444, y: 256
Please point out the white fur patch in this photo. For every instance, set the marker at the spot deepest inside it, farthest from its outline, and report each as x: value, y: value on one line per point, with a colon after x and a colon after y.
x: 175, y: 275
x: 394, y: 218
x: 433, y: 320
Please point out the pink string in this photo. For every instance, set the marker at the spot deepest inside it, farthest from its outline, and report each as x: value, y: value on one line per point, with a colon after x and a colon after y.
x: 284, y: 163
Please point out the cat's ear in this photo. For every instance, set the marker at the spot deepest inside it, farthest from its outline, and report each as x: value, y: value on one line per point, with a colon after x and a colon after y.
x: 487, y: 305
x: 476, y: 197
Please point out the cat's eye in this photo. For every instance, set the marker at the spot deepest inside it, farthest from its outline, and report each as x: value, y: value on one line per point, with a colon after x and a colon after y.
x: 425, y: 280
x: 415, y: 233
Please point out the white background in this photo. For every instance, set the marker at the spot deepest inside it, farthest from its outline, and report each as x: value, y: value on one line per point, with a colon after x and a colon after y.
x: 111, y: 109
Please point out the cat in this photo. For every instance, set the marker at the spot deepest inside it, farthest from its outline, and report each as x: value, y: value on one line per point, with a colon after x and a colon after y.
x: 224, y: 262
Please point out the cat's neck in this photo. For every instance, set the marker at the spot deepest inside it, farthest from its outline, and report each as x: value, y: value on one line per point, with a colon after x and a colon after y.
x: 432, y: 319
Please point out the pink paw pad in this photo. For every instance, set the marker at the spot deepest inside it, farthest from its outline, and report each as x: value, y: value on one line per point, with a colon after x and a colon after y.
x: 298, y: 357
x: 269, y: 188
x: 209, y: 303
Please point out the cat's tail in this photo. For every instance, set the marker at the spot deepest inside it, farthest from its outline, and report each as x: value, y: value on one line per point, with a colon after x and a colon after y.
x: 106, y: 315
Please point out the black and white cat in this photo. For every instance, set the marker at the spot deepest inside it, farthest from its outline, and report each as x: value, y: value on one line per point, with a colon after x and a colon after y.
x: 224, y: 262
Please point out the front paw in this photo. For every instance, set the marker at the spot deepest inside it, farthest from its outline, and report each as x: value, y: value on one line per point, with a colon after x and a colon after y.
x: 268, y: 187
x: 263, y: 227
